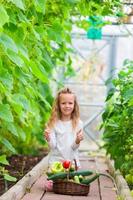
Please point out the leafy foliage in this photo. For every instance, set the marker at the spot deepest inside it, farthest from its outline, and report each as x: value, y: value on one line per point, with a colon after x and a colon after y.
x: 4, y: 172
x: 118, y: 120
x: 33, y: 41
x: 33, y: 48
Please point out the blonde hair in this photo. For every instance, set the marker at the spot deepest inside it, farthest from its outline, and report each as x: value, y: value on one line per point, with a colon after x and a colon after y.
x: 56, y: 113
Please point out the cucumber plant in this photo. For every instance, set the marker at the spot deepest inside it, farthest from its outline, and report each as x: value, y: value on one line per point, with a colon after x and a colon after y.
x: 118, y: 121
x: 34, y: 38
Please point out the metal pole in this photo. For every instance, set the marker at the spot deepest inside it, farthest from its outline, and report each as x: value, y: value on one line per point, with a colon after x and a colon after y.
x: 112, y: 60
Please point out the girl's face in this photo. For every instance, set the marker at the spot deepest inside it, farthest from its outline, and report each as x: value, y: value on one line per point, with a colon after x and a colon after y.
x: 66, y: 103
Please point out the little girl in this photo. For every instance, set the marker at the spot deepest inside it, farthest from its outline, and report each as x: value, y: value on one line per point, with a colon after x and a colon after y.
x: 64, y: 130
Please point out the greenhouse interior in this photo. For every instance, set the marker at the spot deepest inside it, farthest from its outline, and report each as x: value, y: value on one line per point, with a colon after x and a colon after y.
x: 66, y: 99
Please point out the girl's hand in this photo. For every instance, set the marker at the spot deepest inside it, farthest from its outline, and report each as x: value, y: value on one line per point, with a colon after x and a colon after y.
x: 79, y: 137
x: 47, y: 134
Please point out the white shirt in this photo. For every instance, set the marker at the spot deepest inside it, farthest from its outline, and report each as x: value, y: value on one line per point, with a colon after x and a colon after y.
x: 62, y: 142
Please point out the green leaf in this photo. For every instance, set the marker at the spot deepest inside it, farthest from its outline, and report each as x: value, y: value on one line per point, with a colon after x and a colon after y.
x: 15, y: 58
x: 13, y: 19
x: 2, y: 88
x: 21, y: 100
x: 39, y: 72
x: 131, y: 102
x: 128, y: 94
x: 22, y: 134
x: 9, y: 178
x: 55, y: 32
x: 18, y: 3
x: 6, y: 78
x: 72, y: 1
x: 3, y: 160
x: 110, y: 94
x: 40, y: 5
x: 44, y: 100
x: 113, y: 124
x: 21, y: 76
x: 47, y: 59
x: 8, y: 42
x: 8, y: 145
x: 5, y: 113
x: 122, y: 74
x: 37, y: 35
x: 23, y: 50
x: 55, y: 35
x: 12, y: 128
x: 119, y: 162
x: 4, y: 18
x: 22, y: 17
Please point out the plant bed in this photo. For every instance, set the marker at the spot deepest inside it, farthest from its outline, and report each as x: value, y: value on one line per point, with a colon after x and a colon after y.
x: 19, y: 166
x: 122, y: 186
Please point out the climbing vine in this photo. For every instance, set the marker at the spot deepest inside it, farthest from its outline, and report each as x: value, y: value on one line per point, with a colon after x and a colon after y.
x: 34, y: 38
x: 118, y: 121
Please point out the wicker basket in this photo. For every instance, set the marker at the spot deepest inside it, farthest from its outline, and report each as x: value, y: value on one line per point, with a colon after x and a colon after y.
x: 69, y: 187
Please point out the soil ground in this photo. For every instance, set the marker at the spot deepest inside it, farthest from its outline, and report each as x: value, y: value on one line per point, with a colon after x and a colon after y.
x: 19, y: 166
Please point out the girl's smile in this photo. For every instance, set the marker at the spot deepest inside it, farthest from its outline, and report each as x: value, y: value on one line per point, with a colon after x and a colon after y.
x: 66, y: 104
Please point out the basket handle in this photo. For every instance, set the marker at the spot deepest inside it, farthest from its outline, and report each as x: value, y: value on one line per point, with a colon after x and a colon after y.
x: 76, y: 166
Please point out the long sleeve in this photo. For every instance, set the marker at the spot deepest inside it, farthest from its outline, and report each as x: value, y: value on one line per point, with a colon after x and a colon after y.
x: 52, y: 142
x: 75, y: 146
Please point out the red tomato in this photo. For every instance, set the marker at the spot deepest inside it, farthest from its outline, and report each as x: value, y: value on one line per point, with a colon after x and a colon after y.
x: 66, y: 164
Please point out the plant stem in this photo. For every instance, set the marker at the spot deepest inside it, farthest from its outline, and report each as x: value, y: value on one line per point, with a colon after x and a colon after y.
x: 6, y: 185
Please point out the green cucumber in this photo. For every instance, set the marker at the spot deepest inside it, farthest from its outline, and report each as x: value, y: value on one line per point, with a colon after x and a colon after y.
x: 81, y: 172
x: 60, y: 175
x: 49, y: 173
x: 89, y: 180
x: 63, y: 175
